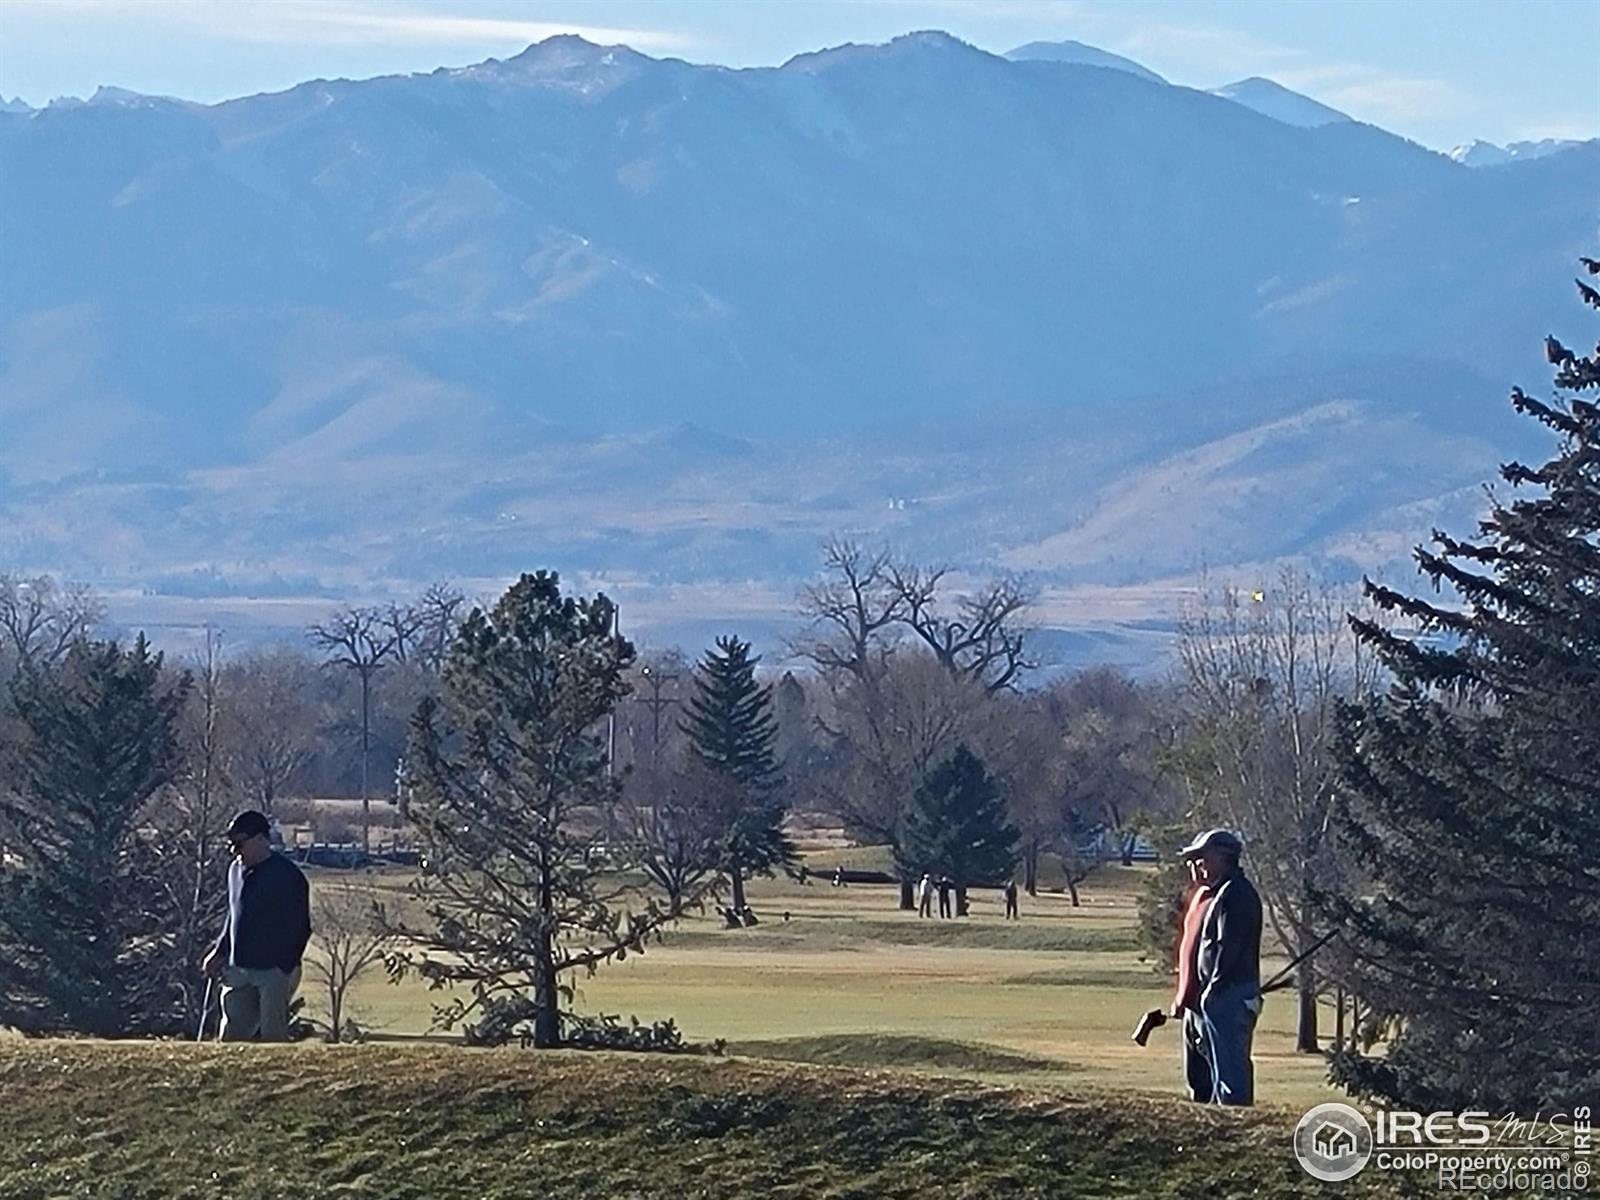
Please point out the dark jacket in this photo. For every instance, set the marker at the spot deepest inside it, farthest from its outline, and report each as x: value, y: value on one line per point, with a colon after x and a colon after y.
x: 1230, y: 937
x: 269, y: 915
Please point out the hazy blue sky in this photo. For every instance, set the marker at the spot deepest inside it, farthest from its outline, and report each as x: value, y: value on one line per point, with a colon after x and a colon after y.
x: 1439, y: 71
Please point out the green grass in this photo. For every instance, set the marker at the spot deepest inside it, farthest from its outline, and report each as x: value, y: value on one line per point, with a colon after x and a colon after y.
x: 179, y: 1122
x: 896, y: 1050
x: 1060, y: 988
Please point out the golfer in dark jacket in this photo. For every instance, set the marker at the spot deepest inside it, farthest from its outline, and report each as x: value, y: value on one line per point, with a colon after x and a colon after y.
x: 1219, y: 973
x: 264, y: 937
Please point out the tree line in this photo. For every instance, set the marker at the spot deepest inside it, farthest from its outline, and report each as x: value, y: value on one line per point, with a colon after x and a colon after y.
x: 1417, y: 779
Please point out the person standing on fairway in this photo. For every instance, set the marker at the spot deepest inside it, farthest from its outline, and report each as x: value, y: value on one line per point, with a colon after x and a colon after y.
x: 264, y: 937
x: 925, y: 896
x: 1219, y: 972
x: 1011, y: 900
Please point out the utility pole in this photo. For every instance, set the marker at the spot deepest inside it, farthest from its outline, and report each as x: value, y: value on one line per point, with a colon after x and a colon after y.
x: 656, y: 680
x: 608, y: 816
x: 611, y: 717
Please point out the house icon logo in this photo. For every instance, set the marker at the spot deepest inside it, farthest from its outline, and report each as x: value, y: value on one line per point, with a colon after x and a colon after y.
x: 1333, y: 1142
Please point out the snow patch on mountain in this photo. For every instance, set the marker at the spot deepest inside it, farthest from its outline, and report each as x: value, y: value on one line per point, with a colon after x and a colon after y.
x: 1480, y: 153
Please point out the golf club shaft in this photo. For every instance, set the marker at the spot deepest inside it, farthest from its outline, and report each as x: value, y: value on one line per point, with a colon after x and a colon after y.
x: 205, y: 1008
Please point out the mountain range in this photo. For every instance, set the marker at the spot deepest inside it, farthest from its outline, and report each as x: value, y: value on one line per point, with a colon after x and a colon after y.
x: 668, y: 326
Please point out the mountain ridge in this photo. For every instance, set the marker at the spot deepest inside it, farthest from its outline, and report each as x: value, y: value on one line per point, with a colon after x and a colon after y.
x: 1081, y: 54
x: 586, y: 302
x: 1272, y: 99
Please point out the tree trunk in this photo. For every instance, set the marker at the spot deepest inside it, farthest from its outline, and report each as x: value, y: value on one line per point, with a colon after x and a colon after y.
x: 961, y: 900
x: 908, y: 900
x: 546, y: 999
x: 736, y: 879
x: 366, y: 749
x: 335, y: 1006
x: 1127, y: 849
x: 1030, y: 868
x: 1338, y: 1018
x: 547, y: 1013
x: 1305, y: 1038
x: 1072, y: 888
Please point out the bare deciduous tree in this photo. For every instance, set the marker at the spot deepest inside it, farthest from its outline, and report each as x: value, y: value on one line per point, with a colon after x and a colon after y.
x: 349, y: 938
x: 271, y: 723
x: 983, y: 641
x: 890, y: 719
x: 887, y: 736
x: 437, y: 614
x: 361, y: 640
x: 187, y: 821
x: 40, y: 619
x: 850, y: 611
x: 402, y: 621
x: 674, y: 812
x: 1262, y: 672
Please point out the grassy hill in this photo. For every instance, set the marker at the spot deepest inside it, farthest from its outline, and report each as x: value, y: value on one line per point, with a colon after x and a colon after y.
x: 165, y: 1121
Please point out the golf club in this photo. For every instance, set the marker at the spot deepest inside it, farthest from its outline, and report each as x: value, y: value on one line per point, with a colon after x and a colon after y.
x: 205, y: 1007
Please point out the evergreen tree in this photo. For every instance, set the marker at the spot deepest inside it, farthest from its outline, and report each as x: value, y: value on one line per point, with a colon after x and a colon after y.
x: 520, y: 886
x: 731, y: 731
x: 85, y: 925
x: 1471, y: 795
x: 956, y: 825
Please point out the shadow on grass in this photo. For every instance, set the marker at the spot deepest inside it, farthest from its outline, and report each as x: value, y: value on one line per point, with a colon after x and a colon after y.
x: 961, y: 935
x: 895, y: 1050
x: 818, y: 933
x: 1071, y: 977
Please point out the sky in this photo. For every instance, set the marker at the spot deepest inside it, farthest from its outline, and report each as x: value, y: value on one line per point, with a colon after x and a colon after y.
x: 1441, y: 72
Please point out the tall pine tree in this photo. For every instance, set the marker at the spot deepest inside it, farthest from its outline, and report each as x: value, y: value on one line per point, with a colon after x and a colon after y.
x: 520, y: 885
x: 85, y: 929
x: 956, y: 825
x: 732, y: 731
x: 1471, y: 795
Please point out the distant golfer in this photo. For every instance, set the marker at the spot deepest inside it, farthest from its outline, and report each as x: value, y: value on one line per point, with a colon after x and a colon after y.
x: 1011, y: 900
x: 264, y: 937
x: 925, y: 896
x: 1219, y: 972
x: 944, y: 885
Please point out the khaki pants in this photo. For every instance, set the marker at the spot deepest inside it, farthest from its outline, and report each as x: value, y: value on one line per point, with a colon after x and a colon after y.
x: 255, y: 1003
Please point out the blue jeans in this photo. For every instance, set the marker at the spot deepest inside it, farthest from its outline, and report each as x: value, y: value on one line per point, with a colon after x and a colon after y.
x: 1216, y: 1045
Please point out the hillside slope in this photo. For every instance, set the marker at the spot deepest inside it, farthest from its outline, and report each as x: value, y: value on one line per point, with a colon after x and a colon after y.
x: 164, y: 1122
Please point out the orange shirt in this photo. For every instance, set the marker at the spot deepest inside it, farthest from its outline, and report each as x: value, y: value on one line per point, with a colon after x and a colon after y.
x: 1194, y: 916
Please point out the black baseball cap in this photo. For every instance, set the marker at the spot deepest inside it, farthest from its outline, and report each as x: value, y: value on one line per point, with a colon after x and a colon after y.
x: 248, y: 824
